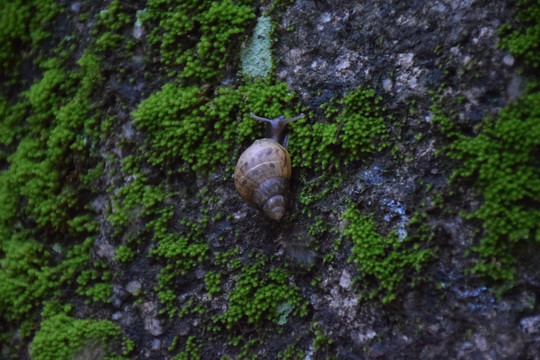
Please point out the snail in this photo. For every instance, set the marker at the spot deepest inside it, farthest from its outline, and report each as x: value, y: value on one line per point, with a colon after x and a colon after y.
x: 263, y: 170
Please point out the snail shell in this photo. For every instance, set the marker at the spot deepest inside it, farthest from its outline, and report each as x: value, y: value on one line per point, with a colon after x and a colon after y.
x: 262, y: 177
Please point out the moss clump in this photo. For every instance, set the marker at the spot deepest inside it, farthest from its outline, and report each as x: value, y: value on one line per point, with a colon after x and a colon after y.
x: 184, y: 126
x: 212, y: 282
x: 56, y: 144
x: 95, y: 283
x: 502, y: 162
x: 386, y: 259
x: 23, y: 25
x: 182, y: 252
x: 41, y: 188
x: 292, y: 352
x: 63, y: 337
x: 524, y: 39
x: 25, y: 278
x: 28, y: 276
x: 355, y: 128
x: 134, y: 203
x: 124, y: 254
x: 191, y: 351
x: 196, y: 38
x: 261, y: 296
x: 109, y: 23
x: 48, y: 167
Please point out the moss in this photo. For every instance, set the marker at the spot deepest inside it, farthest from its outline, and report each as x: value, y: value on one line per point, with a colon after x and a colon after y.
x: 212, y: 282
x: 53, y: 146
x: 183, y: 125
x: 48, y: 169
x: 28, y: 276
x: 291, y: 353
x: 181, y: 252
x: 110, y: 23
x: 23, y: 26
x: 524, y: 39
x: 191, y: 352
x: 63, y: 337
x: 355, y: 128
x: 321, y: 340
x: 25, y: 278
x: 94, y: 283
x: 196, y: 38
x: 124, y: 254
x: 387, y: 260
x: 259, y: 297
x: 502, y: 163
x: 133, y: 203
x: 12, y: 118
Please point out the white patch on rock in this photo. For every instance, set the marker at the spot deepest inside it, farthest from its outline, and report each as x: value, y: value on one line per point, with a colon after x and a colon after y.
x: 387, y: 84
x: 405, y: 60
x: 153, y: 326
x: 395, y: 208
x: 326, y: 17
x: 364, y: 337
x: 508, y: 60
x: 134, y: 287
x: 530, y: 324
x: 345, y: 279
x: 138, y: 30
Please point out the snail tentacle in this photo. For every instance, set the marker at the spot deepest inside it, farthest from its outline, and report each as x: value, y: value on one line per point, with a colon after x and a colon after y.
x: 277, y: 126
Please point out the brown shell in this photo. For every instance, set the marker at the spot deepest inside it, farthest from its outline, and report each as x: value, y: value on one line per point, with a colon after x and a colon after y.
x: 263, y: 160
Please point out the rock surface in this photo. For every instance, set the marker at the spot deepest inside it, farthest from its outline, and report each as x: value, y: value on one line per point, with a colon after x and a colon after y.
x: 406, y: 51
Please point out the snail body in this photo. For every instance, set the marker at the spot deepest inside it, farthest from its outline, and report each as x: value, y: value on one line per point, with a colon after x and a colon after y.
x: 263, y: 170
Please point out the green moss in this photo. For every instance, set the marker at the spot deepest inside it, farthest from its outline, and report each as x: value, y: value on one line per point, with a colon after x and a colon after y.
x: 63, y: 337
x: 134, y: 203
x: 28, y: 276
x: 321, y: 340
x: 53, y: 147
x: 181, y: 252
x: 109, y: 24
x: 12, y: 118
x: 386, y: 260
x: 23, y: 26
x: 524, y: 39
x: 291, y: 353
x: 196, y: 38
x: 355, y: 129
x: 212, y: 282
x: 182, y: 125
x: 48, y: 170
x: 124, y: 254
x: 25, y: 278
x: 502, y: 163
x: 259, y: 297
x: 94, y: 283
x: 191, y: 352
